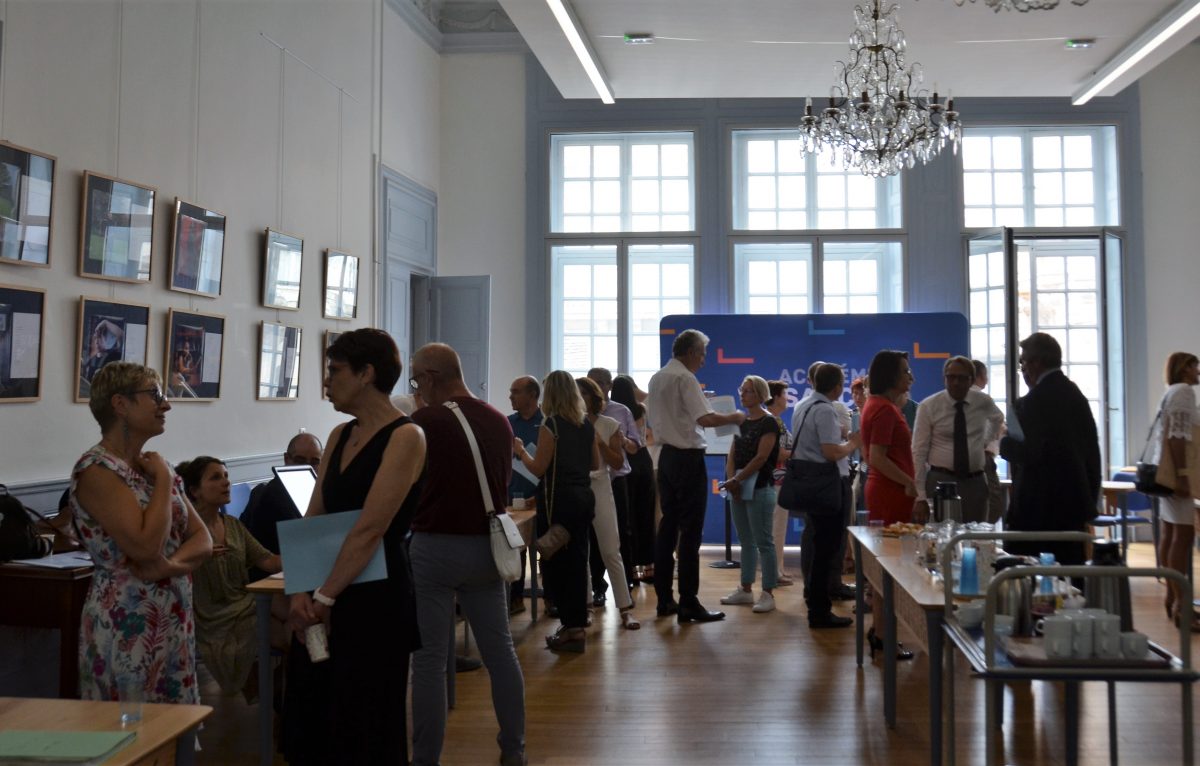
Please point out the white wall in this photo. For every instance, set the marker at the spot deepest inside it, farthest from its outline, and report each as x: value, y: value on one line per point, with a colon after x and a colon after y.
x: 1171, y: 175
x: 190, y: 97
x: 481, y: 207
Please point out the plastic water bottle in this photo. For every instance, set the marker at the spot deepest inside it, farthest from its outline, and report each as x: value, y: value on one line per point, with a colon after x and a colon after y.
x: 969, y: 584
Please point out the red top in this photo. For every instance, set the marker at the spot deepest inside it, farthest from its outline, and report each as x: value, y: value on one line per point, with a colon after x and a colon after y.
x: 884, y: 424
x: 450, y: 500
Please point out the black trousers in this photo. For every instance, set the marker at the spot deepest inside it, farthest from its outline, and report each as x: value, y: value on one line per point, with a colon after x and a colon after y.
x: 565, y: 581
x: 683, y: 489
x: 642, y: 498
x: 828, y: 547
x: 808, y: 546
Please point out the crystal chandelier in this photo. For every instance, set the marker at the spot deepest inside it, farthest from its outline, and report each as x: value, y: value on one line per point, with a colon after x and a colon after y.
x: 875, y: 117
x: 1021, y: 5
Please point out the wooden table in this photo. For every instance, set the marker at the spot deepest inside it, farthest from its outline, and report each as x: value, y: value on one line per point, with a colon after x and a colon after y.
x: 38, y: 597
x: 909, y: 594
x: 160, y: 727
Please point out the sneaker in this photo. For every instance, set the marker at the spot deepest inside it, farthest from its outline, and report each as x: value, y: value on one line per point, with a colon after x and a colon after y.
x: 765, y: 603
x: 739, y: 596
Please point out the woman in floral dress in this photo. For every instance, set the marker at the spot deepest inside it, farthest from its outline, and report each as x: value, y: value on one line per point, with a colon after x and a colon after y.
x: 145, y: 538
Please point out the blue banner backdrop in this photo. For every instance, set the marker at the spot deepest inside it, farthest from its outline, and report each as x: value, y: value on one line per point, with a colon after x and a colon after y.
x: 782, y: 347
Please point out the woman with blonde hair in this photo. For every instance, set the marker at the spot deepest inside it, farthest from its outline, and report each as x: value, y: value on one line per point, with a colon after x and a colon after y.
x: 1174, y: 430
x: 776, y: 405
x: 750, y: 483
x: 566, y: 454
x: 145, y: 540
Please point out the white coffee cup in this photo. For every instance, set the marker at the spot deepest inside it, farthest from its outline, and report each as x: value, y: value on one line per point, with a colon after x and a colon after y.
x: 1106, y: 632
x: 316, y: 642
x: 1134, y: 645
x: 1058, y: 636
x: 970, y: 614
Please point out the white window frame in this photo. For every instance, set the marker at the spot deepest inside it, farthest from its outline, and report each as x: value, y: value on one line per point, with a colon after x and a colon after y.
x: 888, y: 191
x: 1105, y: 174
x: 626, y: 140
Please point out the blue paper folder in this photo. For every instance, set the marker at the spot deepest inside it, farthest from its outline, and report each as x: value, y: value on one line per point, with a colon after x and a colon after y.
x: 309, y: 547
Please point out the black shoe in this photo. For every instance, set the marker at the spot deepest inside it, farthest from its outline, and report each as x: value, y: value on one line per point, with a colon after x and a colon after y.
x: 598, y: 600
x: 667, y: 608
x: 464, y: 664
x: 842, y: 593
x: 830, y: 620
x: 697, y: 613
x: 551, y: 610
x: 876, y: 644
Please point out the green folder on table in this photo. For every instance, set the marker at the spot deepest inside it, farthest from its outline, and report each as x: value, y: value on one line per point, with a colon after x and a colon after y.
x: 20, y: 747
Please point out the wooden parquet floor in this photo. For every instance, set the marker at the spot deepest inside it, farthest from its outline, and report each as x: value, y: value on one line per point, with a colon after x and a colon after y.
x: 759, y: 689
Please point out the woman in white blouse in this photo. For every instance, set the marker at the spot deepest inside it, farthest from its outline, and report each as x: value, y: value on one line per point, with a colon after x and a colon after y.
x: 1179, y: 415
x: 604, y: 525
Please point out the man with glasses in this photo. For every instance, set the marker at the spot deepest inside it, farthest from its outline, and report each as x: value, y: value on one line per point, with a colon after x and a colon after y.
x: 270, y: 503
x: 952, y: 429
x: 1055, y: 454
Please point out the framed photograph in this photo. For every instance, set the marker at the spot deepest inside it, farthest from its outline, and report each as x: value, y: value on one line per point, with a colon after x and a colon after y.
x: 278, y: 362
x: 341, y: 285
x: 116, y: 230
x: 108, y: 332
x: 281, y: 271
x: 195, y: 343
x: 26, y: 205
x: 330, y: 337
x: 22, y: 329
x: 197, y: 249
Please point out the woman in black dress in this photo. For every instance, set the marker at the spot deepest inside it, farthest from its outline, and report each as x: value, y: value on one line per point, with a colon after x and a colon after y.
x: 566, y: 453
x: 350, y: 709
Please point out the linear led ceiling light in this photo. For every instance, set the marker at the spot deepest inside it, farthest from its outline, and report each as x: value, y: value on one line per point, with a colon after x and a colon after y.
x: 583, y: 51
x: 1145, y: 44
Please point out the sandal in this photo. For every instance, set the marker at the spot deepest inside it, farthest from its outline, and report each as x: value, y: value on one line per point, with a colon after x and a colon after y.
x: 629, y: 621
x: 567, y: 640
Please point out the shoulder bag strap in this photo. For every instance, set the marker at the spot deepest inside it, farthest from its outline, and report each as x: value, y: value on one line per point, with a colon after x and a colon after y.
x: 799, y: 428
x: 1150, y: 435
x: 483, y: 486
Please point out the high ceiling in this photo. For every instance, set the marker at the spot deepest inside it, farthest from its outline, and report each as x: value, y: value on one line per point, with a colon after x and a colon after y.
x: 788, y: 48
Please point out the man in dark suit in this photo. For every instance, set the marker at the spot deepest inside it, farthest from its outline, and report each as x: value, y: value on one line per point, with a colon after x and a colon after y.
x: 1056, y: 482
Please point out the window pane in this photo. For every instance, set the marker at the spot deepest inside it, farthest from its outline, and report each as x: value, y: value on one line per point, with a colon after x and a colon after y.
x: 1083, y: 345
x: 978, y: 307
x: 577, y: 223
x: 605, y: 350
x: 864, y: 276
x: 760, y: 220
x: 996, y: 306
x: 793, y: 276
x: 607, y: 196
x: 606, y: 223
x: 978, y: 218
x: 1077, y: 151
x: 1047, y: 188
x: 860, y: 191
x: 644, y: 315
x: 646, y: 222
x: 644, y: 279
x: 761, y: 192
x: 577, y: 161
x: 676, y: 306
x: 831, y: 191
x: 676, y: 197
x: 1006, y: 152
x: 863, y: 304
x: 791, y: 156
x: 831, y: 219
x: 604, y: 320
x: 761, y: 278
x: 675, y: 160
x: 793, y: 305
x: 1079, y: 188
x: 1081, y: 309
x: 1010, y: 216
x: 760, y: 156
x: 577, y: 197
x: 645, y: 197
x: 977, y: 153
x: 763, y: 305
x: 1009, y: 189
x: 577, y: 316
x: 1081, y: 216
x: 1081, y: 272
x: 606, y: 281
x: 860, y: 219
x: 606, y: 162
x: 836, y: 305
x: 577, y: 281
x: 1087, y: 377
x: 577, y: 353
x: 1051, y: 273
x: 1051, y: 309
x: 977, y: 270
x: 835, y: 278
x: 1048, y: 216
x: 644, y: 158
x: 791, y: 191
x: 793, y: 219
x: 645, y: 351
x: 1047, y: 152
x: 676, y: 223
x: 677, y: 279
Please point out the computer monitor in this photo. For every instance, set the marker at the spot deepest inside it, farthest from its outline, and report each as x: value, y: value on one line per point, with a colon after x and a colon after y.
x: 299, y: 481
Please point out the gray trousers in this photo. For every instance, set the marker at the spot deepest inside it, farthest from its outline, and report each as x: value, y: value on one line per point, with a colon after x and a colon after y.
x: 445, y: 566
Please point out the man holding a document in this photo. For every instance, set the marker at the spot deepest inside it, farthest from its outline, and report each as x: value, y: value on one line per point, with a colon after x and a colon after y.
x: 351, y: 707
x: 452, y: 554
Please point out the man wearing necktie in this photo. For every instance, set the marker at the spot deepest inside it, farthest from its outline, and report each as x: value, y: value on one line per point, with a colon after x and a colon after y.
x: 951, y: 430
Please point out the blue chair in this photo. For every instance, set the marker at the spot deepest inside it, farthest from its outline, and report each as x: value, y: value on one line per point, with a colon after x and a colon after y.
x: 1123, y: 510
x: 239, y: 495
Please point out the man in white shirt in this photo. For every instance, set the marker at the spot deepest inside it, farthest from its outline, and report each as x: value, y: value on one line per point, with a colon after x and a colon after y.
x: 679, y: 412
x: 951, y: 430
x: 996, y: 493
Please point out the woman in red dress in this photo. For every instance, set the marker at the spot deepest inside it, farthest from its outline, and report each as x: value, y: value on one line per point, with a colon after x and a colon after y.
x: 887, y: 440
x: 887, y: 446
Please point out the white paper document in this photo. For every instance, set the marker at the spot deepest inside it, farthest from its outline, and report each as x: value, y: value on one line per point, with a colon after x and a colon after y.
x: 520, y: 469
x: 68, y: 560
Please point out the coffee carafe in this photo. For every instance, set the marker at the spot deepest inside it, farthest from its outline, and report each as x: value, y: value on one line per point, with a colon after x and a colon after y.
x: 1109, y: 593
x: 947, y: 505
x: 1014, y: 596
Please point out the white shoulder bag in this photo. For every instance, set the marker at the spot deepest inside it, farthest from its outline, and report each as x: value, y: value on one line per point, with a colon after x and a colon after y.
x: 506, y: 538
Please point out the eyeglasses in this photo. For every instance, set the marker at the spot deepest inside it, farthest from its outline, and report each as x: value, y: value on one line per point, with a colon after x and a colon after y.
x: 155, y: 393
x: 413, y: 381
x: 959, y: 376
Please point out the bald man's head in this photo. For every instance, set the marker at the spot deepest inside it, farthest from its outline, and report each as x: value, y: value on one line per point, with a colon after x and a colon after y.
x: 437, y: 371
x: 303, y: 449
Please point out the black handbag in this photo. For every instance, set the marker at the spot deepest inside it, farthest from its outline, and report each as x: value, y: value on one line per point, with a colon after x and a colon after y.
x: 18, y: 537
x: 811, y: 486
x: 1146, y: 480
